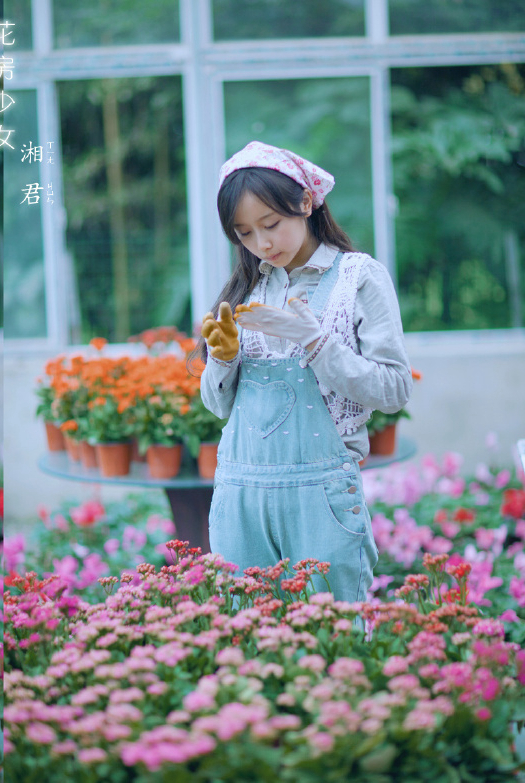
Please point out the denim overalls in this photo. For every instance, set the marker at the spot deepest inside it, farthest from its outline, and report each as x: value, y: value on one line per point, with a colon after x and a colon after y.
x: 285, y: 484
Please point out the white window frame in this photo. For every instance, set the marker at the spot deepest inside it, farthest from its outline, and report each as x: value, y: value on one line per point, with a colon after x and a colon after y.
x: 205, y: 66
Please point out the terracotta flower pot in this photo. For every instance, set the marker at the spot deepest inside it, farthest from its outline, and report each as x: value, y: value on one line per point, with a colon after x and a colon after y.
x: 207, y: 460
x: 114, y: 458
x: 136, y: 456
x: 72, y: 448
x: 88, y: 455
x: 164, y: 461
x: 384, y: 442
x: 55, y: 438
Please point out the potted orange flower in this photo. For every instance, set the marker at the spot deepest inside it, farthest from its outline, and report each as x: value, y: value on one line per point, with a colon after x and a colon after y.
x: 204, y: 434
x: 163, y: 393
x: 382, y: 427
x: 47, y: 407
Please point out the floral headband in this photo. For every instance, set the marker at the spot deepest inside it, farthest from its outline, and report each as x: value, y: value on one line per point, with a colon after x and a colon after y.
x: 264, y: 156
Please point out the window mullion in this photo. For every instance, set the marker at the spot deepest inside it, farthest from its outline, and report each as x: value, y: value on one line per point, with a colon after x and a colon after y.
x: 204, y: 138
x: 58, y: 278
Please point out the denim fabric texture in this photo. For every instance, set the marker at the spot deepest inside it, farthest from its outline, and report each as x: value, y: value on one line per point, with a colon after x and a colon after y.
x: 285, y: 484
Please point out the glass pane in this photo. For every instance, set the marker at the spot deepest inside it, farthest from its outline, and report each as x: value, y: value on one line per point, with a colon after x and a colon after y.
x: 458, y: 168
x: 125, y: 197
x: 24, y: 302
x: 235, y: 20
x: 327, y: 121
x: 19, y: 12
x: 110, y: 22
x: 412, y: 17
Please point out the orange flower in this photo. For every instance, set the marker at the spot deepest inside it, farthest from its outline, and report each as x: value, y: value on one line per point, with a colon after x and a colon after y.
x: 98, y: 342
x: 69, y: 426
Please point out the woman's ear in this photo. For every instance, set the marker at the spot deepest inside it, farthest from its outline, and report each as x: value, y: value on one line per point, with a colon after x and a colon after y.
x: 307, y: 202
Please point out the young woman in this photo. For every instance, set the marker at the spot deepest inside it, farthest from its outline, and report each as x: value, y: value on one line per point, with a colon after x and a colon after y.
x: 320, y: 347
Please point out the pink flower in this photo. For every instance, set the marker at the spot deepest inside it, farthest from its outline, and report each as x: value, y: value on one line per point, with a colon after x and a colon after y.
x: 115, y: 732
x: 345, y: 668
x: 451, y: 486
x: 157, y: 688
x: 490, y: 689
x: 419, y: 720
x: 483, y: 713
x: 197, y: 701
x: 163, y: 550
x: 157, y: 522
x: 483, y: 474
x: 487, y: 538
x: 429, y: 670
x: 41, y: 733
x: 380, y: 582
x: 14, y: 552
x: 111, y: 545
x: 520, y: 664
x: 484, y: 538
x: 517, y: 590
x: 91, y: 755
x: 321, y: 741
x: 480, y: 580
x: 396, y: 664
x: 285, y: 722
x: 439, y: 545
x: 66, y: 747
x: 125, y: 695
x: 94, y: 567
x: 489, y: 627
x: 88, y: 513
x: 451, y: 464
x: 314, y: 663
x: 509, y: 616
x: 450, y: 529
x: 195, y: 575
x: 66, y: 569
x: 132, y: 537
x: 44, y: 514
x: 231, y: 656
x: 502, y: 479
x: 404, y: 682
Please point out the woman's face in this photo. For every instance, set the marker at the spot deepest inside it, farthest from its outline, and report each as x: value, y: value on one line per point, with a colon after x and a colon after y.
x: 281, y: 241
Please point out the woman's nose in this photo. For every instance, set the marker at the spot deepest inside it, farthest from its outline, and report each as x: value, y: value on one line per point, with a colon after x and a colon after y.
x: 264, y: 242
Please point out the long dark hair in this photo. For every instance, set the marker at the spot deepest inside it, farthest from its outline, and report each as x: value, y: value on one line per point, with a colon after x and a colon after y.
x: 284, y: 196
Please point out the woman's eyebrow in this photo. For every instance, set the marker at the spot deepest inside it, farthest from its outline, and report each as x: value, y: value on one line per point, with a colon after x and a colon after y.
x: 264, y: 217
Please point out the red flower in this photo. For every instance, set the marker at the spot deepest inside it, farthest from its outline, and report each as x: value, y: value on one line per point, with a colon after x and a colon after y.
x: 441, y: 516
x: 464, y: 516
x: 459, y: 571
x: 513, y: 503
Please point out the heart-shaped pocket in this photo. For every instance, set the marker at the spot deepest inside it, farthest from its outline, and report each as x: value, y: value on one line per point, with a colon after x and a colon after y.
x: 265, y: 405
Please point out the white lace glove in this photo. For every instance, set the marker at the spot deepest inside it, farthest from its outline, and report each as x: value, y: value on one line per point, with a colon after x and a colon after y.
x: 301, y: 326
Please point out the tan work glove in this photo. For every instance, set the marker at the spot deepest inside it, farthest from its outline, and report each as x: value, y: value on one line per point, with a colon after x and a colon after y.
x: 221, y: 335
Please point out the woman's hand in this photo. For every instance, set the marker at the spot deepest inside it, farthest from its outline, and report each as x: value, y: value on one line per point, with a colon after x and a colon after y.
x: 221, y: 335
x: 301, y: 326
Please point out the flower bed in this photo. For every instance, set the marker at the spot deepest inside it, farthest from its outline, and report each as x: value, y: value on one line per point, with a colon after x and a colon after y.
x: 188, y: 672
x: 479, y: 521
x: 83, y: 542
x: 168, y: 680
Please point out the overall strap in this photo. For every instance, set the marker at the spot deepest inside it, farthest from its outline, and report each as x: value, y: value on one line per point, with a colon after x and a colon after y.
x: 322, y: 293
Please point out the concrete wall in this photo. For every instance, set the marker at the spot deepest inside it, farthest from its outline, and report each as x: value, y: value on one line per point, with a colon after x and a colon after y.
x: 473, y: 384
